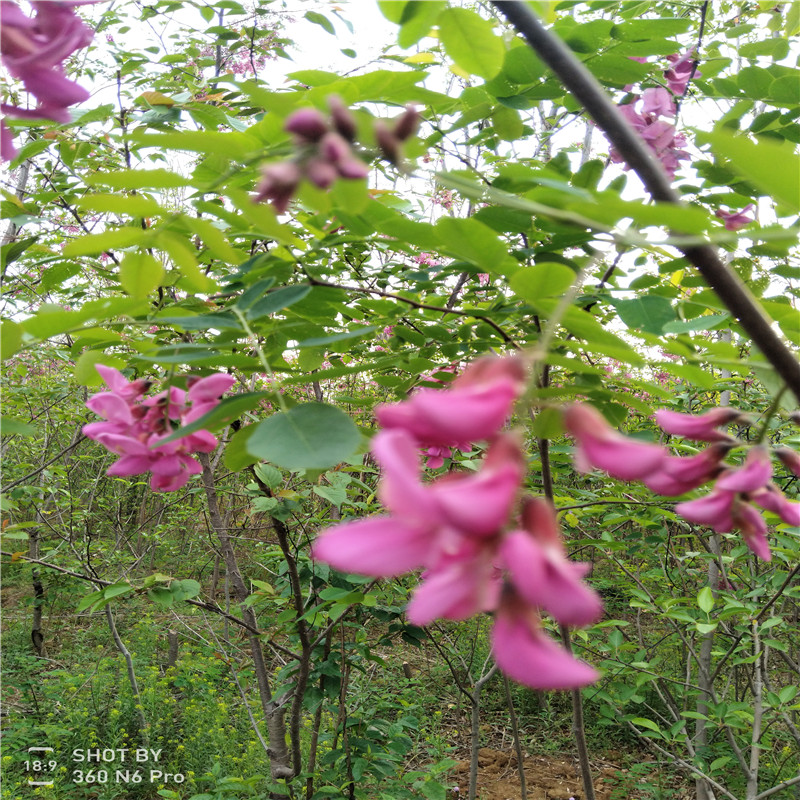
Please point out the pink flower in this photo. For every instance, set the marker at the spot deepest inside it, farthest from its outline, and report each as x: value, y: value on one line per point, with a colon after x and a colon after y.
x: 754, y: 475
x: 33, y: 51
x: 278, y: 184
x: 524, y: 652
x: 541, y: 573
x: 679, y: 475
x: 790, y: 459
x: 753, y: 528
x: 736, y: 219
x: 772, y: 498
x: 713, y: 510
x: 682, y: 70
x: 474, y: 407
x: 136, y: 426
x: 308, y: 124
x: 658, y: 101
x: 323, y: 155
x: 701, y: 427
x: 463, y: 583
x: 599, y: 445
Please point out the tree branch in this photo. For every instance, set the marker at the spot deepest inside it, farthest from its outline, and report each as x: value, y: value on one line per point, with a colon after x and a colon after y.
x: 587, y: 90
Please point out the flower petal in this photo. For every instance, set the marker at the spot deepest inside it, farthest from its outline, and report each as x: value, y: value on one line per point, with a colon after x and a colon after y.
x: 526, y: 654
x: 378, y: 546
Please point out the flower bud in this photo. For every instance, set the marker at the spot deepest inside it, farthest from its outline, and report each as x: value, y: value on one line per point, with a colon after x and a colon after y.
x: 388, y: 143
x: 334, y: 148
x: 321, y: 172
x: 407, y: 124
x: 352, y: 168
x: 342, y: 119
x: 308, y: 124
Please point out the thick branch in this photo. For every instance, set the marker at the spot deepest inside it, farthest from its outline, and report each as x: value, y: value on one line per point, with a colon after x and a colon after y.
x: 724, y: 281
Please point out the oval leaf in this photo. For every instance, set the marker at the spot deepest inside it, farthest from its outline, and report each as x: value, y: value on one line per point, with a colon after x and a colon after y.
x: 471, y: 42
x: 308, y: 436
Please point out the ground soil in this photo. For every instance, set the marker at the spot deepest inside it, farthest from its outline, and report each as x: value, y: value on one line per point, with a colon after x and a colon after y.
x: 548, y: 777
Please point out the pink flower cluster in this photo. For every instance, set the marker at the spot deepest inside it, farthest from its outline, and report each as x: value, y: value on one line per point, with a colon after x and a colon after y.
x: 427, y: 260
x: 645, y: 114
x: 729, y: 505
x: 323, y: 155
x: 683, y: 68
x: 460, y: 528
x: 33, y: 50
x: 134, y: 426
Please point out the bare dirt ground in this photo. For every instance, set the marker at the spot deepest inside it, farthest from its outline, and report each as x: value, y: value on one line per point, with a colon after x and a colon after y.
x: 549, y: 777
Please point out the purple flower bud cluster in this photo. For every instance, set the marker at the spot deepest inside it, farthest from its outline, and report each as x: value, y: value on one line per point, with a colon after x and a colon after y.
x: 323, y: 155
x: 390, y: 139
x: 33, y: 50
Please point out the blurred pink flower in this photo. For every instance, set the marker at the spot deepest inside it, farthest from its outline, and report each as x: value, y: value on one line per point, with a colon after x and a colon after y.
x: 701, y: 427
x: 524, y: 652
x: 736, y: 219
x: 33, y: 51
x: 542, y: 574
x: 599, y: 445
x: 474, y: 407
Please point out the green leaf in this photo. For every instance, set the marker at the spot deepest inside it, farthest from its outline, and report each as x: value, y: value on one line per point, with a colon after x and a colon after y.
x: 229, y: 409
x: 161, y: 596
x: 471, y: 240
x: 321, y: 20
x: 471, y: 42
x: 117, y: 589
x: 705, y: 627
x: 182, y: 590
x: 308, y: 436
x: 138, y: 179
x: 10, y: 338
x: 433, y: 790
x: 542, y: 280
x: 647, y: 313
x: 705, y: 599
x: 236, y: 455
x: 646, y: 723
x: 269, y: 475
x: 90, y: 600
x: 640, y: 30
x: 140, y: 273
x: 336, y: 495
x: 705, y: 323
x: 774, y: 168
x: 108, y: 240
x: 134, y: 205
x: 418, y: 17
x: 280, y: 298
x: 263, y: 505
x: 522, y: 66
x: 9, y: 426
x: 507, y: 123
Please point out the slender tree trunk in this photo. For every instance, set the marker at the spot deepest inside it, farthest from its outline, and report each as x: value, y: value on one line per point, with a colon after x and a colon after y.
x: 280, y: 763
x: 523, y: 790
x: 758, y: 691
x: 578, y: 728
x: 475, y: 737
x: 137, y: 697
